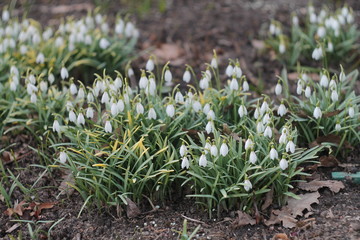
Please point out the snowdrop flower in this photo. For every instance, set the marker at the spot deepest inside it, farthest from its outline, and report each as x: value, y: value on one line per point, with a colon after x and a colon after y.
x: 56, y: 126
x: 64, y: 73
x: 295, y: 20
x: 151, y: 88
x: 80, y: 119
x: 350, y: 18
x: 351, y: 112
x: 170, y: 110
x: 206, y: 109
x: 23, y: 49
x: 179, y: 98
x: 202, y: 160
x: 324, y: 81
x: 150, y: 65
x: 278, y: 89
x: 317, y: 113
x: 119, y: 27
x: 321, y: 32
x: 187, y: 76
x: 334, y: 96
x: 332, y: 84
x: 13, y: 86
x: 272, y: 29
x: 43, y: 86
x: 130, y: 72
x: 313, y: 18
x: 14, y: 71
x: 105, y: 98
x: 213, y: 150
x: 168, y: 76
x: 104, y: 43
x: 214, y: 62
x: 33, y: 98
x: 317, y: 53
x: 337, y: 126
x: 73, y: 89
x: 268, y: 132
x: 196, y: 106
x: 308, y: 91
x: 185, y: 163
x: 266, y: 119
x: 290, y: 147
x: 253, y: 157
x: 299, y: 87
x: 210, y: 115
x: 40, y: 59
x: 260, y: 127
x: 207, y: 147
x: 118, y: 83
x: 257, y: 113
x: 330, y: 47
x: 248, y: 144
x: 204, y: 82
x: 5, y: 15
x: 245, y: 86
x: 72, y: 116
x: 129, y: 29
x: 229, y: 70
x: 283, y: 164
x: 139, y: 108
x: 281, y: 110
x: 247, y: 185
x: 108, y: 127
x: 342, y: 76
x: 114, y: 109
x: 224, y: 149
x: 68, y: 106
x: 183, y: 150
x: 237, y: 71
x: 242, y: 111
x: 282, y: 48
x: 234, y: 85
x: 152, y: 114
x: 143, y: 81
x: 51, y: 78
x: 63, y: 157
x: 209, y: 127
x: 89, y: 112
x: 30, y: 88
x: 264, y: 107
x: 273, y: 154
x: 283, y: 137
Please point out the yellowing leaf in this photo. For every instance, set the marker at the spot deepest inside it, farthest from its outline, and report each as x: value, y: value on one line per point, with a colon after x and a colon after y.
x: 99, y: 165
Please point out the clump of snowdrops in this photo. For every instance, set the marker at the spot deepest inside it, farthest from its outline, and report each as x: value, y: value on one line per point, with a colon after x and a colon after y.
x: 80, y: 47
x: 327, y: 36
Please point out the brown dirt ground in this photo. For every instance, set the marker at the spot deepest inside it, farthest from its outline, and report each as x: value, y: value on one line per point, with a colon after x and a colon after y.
x: 194, y: 27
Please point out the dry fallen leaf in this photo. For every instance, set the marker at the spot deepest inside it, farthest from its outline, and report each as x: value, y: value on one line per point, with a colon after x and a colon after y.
x: 18, y: 209
x: 283, y: 217
x: 242, y: 220
x: 334, y: 186
x: 168, y: 51
x: 2, y: 198
x: 38, y: 207
x: 258, y: 44
x: 14, y: 227
x: 132, y: 209
x: 280, y: 236
x: 331, y: 138
x: 268, y: 199
x: 328, y: 161
x: 295, y: 76
x: 296, y: 207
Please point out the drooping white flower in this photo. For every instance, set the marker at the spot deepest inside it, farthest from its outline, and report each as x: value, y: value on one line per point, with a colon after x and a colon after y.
x: 143, y: 82
x: 179, y: 98
x: 168, y: 76
x: 330, y: 47
x: 324, y: 81
x: 273, y: 154
x: 290, y: 147
x: 206, y: 108
x: 207, y: 147
x: 130, y: 72
x: 351, y: 111
x: 247, y: 185
x: 118, y: 83
x: 248, y: 144
x: 183, y: 150
x: 266, y: 119
x: 210, y: 115
x: 317, y: 53
x: 253, y: 157
x: 308, y: 91
x: 278, y: 89
x: 224, y: 149
x: 73, y: 89
x: 80, y: 119
x: 170, y: 110
x: 104, y: 43
x: 321, y: 32
x: 337, y: 127
x: 72, y: 116
x: 150, y: 65
x: 299, y: 87
x: 5, y: 15
x: 151, y: 88
x: 40, y: 59
x: 257, y: 113
x: 317, y: 113
x: 209, y: 127
x: 283, y: 137
x: 108, y: 127
x: 260, y: 127
x: 204, y: 83
x: 242, y: 111
x: 139, y: 108
x: 295, y: 20
x: 281, y: 110
x: 43, y: 86
x: 268, y: 132
x: 64, y: 73
x: 264, y: 107
x: 282, y: 48
x: 229, y: 70
x: 332, y: 84
x: 105, y: 98
x: 283, y: 164
x: 152, y: 114
x: 120, y: 106
x: 342, y: 76
x: 89, y: 112
x: 334, y: 96
x: 234, y: 85
x: 56, y: 126
x: 196, y: 106
x: 63, y: 157
x: 81, y: 93
x: 213, y: 150
x: 245, y: 86
x: 187, y: 76
x: 202, y: 161
x: 185, y: 163
x: 114, y: 109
